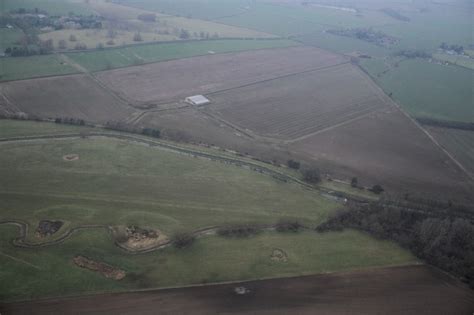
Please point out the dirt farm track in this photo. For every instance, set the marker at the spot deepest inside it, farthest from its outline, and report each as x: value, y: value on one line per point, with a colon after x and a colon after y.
x: 398, y: 290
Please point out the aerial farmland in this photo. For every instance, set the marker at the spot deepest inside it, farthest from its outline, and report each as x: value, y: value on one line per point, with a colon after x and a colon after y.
x: 212, y: 156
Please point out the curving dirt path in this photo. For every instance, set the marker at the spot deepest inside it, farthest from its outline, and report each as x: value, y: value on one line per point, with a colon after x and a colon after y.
x: 21, y: 240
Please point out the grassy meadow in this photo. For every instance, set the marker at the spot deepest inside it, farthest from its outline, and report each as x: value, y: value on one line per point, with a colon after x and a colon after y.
x: 50, y: 271
x: 17, y: 128
x: 163, y: 189
x: 120, y: 183
x: 428, y: 89
x: 17, y: 68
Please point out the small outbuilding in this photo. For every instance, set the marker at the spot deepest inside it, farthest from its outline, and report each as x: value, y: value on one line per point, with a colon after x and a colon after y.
x: 197, y: 100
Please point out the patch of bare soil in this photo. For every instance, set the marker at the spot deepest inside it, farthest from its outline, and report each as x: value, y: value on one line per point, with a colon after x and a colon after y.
x: 106, y: 270
x: 137, y: 238
x: 47, y: 228
x: 279, y: 255
x: 71, y: 157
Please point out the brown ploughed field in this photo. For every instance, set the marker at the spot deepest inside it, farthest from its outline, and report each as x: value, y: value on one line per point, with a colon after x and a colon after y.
x: 74, y: 96
x: 387, y: 147
x: 176, y: 79
x: 398, y: 290
x: 294, y: 106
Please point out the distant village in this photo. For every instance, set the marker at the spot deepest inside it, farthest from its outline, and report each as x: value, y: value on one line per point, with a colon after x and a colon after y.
x: 33, y: 22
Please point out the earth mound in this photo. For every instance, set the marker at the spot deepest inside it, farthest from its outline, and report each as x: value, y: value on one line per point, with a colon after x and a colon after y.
x: 279, y: 255
x: 106, y: 270
x: 136, y: 238
x: 47, y: 228
x: 71, y: 157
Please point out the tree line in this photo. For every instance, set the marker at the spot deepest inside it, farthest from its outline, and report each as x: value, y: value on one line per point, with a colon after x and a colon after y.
x: 445, y: 123
x: 119, y: 126
x: 437, y: 236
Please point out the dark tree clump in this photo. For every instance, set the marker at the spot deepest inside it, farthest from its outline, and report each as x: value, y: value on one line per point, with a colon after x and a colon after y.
x: 183, y: 240
x: 354, y: 182
x: 377, y: 189
x: 443, y: 235
x: 293, y: 164
x: 312, y: 176
x: 241, y: 230
x: 156, y: 133
x: 288, y: 225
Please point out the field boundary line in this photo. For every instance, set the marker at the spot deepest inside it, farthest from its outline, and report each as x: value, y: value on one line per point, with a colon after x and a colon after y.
x: 251, y: 135
x: 101, y: 85
x: 218, y: 119
x: 279, y: 77
x: 333, y: 126
x: 139, y: 115
x: 453, y: 159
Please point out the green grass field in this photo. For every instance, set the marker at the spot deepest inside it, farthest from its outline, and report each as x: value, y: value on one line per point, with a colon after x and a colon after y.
x: 50, y: 271
x: 16, y: 68
x: 112, y: 177
x: 428, y: 89
x: 427, y: 30
x: 128, y: 56
x: 120, y: 183
x: 16, y: 128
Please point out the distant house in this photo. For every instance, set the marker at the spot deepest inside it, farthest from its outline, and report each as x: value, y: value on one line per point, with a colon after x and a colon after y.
x: 197, y: 100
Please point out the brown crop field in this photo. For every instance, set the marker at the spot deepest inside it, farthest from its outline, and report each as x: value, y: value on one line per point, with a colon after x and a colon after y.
x: 76, y: 96
x: 293, y: 106
x: 386, y: 147
x: 308, y: 104
x: 399, y: 290
x: 332, y: 117
x: 171, y: 80
x: 460, y: 143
